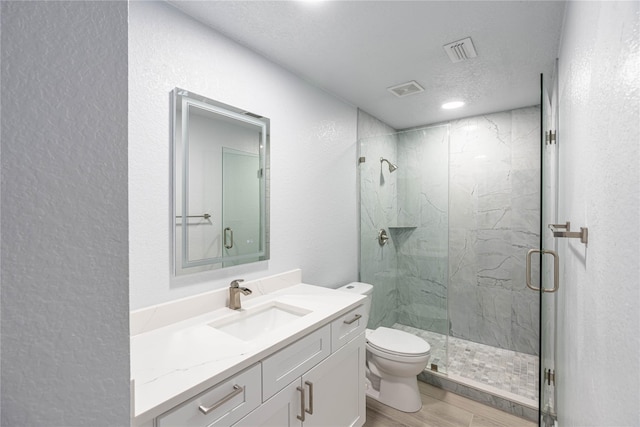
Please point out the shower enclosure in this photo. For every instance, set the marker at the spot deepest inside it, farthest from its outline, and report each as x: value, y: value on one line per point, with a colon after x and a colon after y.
x: 460, y: 212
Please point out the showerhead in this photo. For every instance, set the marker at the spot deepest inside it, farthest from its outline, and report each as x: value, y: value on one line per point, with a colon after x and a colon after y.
x: 392, y: 167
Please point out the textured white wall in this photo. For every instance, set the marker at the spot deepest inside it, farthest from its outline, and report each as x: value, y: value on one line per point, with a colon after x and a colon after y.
x: 598, y: 366
x: 65, y: 342
x: 313, y: 156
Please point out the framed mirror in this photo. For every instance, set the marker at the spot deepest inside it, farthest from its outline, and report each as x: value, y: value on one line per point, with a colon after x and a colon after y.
x: 219, y: 184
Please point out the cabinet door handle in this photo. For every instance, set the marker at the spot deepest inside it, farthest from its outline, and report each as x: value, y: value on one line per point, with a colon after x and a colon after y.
x: 236, y: 391
x: 356, y: 317
x: 302, y: 399
x: 310, y: 385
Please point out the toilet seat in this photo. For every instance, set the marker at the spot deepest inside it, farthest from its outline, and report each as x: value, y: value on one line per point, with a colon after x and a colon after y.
x: 397, y: 344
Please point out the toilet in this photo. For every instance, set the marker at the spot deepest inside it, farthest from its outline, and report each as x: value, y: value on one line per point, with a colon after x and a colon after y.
x: 394, y: 359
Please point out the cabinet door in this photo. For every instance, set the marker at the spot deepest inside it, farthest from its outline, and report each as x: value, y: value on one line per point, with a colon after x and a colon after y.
x: 282, y: 410
x: 335, y: 393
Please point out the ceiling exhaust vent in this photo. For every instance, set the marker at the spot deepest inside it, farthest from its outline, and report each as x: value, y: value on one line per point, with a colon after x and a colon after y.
x: 461, y: 50
x: 406, y: 89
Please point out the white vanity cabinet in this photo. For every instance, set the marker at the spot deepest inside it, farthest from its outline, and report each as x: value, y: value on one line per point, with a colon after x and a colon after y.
x: 316, y: 381
x: 330, y: 393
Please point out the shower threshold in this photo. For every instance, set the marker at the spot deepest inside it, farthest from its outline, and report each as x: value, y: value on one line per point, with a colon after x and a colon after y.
x: 501, y: 378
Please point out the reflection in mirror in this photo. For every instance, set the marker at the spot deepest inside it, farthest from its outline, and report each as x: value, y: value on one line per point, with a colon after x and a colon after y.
x: 220, y: 189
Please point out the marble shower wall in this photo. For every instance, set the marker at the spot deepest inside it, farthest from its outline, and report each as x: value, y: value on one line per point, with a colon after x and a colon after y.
x: 494, y: 219
x: 378, y: 209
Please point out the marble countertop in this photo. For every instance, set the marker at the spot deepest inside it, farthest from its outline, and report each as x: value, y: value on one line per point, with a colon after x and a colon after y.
x: 173, y: 363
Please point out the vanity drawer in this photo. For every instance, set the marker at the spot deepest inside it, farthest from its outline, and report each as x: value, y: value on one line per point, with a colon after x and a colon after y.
x: 292, y: 361
x: 348, y: 326
x: 225, y: 403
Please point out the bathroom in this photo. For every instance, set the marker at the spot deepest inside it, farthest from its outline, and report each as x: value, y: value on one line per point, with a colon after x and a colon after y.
x: 80, y: 240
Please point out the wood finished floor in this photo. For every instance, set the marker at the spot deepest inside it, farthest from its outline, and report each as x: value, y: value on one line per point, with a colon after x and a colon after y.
x: 441, y: 408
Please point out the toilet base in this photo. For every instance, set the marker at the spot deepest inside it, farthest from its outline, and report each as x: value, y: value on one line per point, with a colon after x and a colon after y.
x: 399, y: 393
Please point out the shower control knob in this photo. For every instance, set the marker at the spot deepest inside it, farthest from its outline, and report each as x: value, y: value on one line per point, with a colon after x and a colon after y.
x: 382, y: 237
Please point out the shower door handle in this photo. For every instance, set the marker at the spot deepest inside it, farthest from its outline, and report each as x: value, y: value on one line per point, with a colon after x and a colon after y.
x: 556, y: 277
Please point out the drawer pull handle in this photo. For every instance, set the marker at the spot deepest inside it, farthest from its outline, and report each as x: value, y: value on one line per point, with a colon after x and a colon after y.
x: 310, y: 385
x: 236, y: 391
x: 356, y: 317
x: 301, y: 417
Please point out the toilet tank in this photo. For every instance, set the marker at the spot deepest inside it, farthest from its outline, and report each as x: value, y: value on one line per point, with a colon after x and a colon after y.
x: 361, y: 289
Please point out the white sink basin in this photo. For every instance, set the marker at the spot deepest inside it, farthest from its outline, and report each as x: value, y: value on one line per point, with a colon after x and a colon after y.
x: 251, y: 323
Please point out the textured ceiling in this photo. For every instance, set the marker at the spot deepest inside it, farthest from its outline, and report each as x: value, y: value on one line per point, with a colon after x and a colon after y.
x: 357, y: 49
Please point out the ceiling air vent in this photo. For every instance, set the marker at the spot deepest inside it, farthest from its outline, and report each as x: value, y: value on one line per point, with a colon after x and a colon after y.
x: 406, y: 89
x: 461, y: 50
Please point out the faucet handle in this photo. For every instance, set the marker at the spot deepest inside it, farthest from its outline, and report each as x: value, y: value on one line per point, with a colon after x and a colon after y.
x: 236, y: 283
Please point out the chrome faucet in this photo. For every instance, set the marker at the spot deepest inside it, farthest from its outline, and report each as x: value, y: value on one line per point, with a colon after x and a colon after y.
x: 234, y: 294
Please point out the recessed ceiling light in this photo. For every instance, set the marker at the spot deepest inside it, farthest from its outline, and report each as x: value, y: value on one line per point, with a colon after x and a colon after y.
x: 452, y: 105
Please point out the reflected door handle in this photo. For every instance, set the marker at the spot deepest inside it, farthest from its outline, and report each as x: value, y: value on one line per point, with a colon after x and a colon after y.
x: 228, y: 243
x: 556, y: 277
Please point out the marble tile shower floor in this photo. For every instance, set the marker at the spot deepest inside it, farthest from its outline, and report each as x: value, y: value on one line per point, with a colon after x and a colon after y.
x: 482, y: 365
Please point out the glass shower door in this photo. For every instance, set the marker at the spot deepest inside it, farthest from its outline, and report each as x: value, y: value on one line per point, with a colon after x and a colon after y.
x: 404, y: 205
x: 548, y: 273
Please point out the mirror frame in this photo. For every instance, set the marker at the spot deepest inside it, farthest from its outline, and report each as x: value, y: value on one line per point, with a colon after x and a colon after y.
x: 181, y: 100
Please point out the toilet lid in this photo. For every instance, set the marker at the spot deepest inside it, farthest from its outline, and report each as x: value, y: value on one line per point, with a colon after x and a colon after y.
x: 398, y: 342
